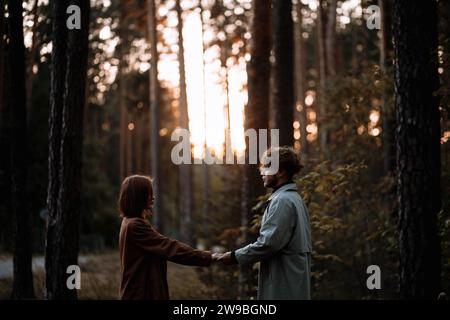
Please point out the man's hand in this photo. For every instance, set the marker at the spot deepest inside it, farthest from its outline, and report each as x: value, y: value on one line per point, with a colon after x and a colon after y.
x: 226, y: 259
x: 216, y: 257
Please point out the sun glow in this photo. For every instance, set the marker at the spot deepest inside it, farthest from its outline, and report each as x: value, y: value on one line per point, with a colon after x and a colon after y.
x: 207, y: 96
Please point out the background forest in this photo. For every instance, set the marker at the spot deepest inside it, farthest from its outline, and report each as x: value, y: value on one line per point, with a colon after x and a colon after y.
x: 315, y: 69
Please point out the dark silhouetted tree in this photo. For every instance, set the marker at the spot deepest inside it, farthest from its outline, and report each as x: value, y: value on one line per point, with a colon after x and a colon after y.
x: 282, y: 100
x: 418, y: 147
x: 69, y: 65
x: 23, y: 276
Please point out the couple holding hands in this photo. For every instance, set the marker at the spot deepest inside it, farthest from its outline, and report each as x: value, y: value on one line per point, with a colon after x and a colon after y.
x: 283, y: 247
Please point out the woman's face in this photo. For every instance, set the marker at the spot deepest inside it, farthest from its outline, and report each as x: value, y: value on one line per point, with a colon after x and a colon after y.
x: 149, y: 208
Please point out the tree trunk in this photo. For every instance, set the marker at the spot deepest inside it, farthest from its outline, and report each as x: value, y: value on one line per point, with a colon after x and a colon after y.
x: 256, y: 117
x: 387, y: 111
x: 321, y: 66
x: 5, y: 172
x: 123, y: 121
x: 205, y: 167
x: 154, y: 115
x: 2, y: 55
x: 23, y: 276
x: 418, y: 147
x: 282, y: 100
x: 185, y: 170
x: 69, y: 63
x: 330, y: 38
x: 301, y: 113
x: 31, y: 59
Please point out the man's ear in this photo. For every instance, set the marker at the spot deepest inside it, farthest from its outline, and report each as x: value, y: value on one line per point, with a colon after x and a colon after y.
x: 281, y: 174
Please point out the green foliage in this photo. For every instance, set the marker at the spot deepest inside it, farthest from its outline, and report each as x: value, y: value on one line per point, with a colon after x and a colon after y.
x: 352, y: 228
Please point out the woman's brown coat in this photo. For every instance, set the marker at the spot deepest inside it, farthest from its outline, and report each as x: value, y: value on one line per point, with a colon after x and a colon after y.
x: 143, y: 260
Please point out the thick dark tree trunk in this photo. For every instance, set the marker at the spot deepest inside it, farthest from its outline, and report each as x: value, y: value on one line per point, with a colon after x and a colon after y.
x: 256, y: 117
x: 23, y: 276
x: 282, y: 101
x: 155, y: 102
x: 387, y: 110
x: 418, y: 147
x: 5, y: 178
x: 185, y: 170
x: 69, y: 64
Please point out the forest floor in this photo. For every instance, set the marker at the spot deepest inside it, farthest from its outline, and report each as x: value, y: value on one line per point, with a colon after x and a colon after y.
x: 100, y: 278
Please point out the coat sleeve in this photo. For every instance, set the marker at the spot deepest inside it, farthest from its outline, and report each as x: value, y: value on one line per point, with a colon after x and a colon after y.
x: 275, y: 233
x: 151, y: 241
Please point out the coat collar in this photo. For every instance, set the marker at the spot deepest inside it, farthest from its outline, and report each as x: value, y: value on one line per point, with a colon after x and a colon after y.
x: 287, y: 187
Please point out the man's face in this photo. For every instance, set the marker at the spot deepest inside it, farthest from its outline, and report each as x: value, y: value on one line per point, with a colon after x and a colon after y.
x: 270, y: 180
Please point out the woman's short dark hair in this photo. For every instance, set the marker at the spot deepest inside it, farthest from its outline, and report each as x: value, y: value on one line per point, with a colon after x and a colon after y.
x: 288, y: 159
x: 135, y: 193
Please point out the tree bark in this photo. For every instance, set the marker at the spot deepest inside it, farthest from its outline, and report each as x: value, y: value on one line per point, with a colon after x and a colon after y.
x: 69, y: 63
x: 300, y: 115
x: 256, y: 117
x: 330, y: 38
x: 123, y: 121
x: 321, y: 66
x: 30, y: 60
x: 2, y: 55
x: 418, y: 147
x: 282, y: 100
x: 387, y: 111
x: 154, y: 115
x: 185, y: 170
x: 23, y: 276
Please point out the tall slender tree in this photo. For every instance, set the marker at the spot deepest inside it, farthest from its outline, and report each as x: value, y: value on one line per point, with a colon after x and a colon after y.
x: 330, y: 38
x: 301, y: 113
x: 155, y: 101
x: 23, y: 277
x: 123, y: 113
x: 30, y: 58
x: 185, y: 170
x: 321, y: 70
x: 386, y: 61
x: 2, y: 54
x: 69, y: 65
x: 418, y: 147
x: 256, y: 117
x: 282, y: 100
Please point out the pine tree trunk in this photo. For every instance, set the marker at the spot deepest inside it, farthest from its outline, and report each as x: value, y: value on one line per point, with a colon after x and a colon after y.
x: 154, y: 115
x: 330, y: 38
x: 23, y: 276
x: 31, y: 59
x: 2, y: 56
x: 123, y: 113
x: 321, y: 66
x: 282, y: 101
x: 185, y: 170
x: 387, y: 111
x: 300, y: 115
x: 256, y: 117
x: 70, y: 64
x: 418, y: 147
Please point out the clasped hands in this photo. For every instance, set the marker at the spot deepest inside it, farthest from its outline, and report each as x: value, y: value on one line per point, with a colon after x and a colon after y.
x: 224, y: 258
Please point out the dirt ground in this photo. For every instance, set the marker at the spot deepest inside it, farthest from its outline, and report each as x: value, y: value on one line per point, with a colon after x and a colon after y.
x: 100, y: 278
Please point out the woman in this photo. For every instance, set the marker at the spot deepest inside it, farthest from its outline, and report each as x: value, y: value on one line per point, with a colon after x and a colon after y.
x: 143, y: 251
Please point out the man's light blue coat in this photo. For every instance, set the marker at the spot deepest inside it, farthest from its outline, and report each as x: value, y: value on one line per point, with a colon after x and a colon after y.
x: 283, y: 247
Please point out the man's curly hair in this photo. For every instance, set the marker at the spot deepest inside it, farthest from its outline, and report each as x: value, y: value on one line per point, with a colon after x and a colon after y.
x: 289, y: 160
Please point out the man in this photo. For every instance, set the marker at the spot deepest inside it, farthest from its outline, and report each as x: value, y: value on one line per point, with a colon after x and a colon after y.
x: 284, y: 244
